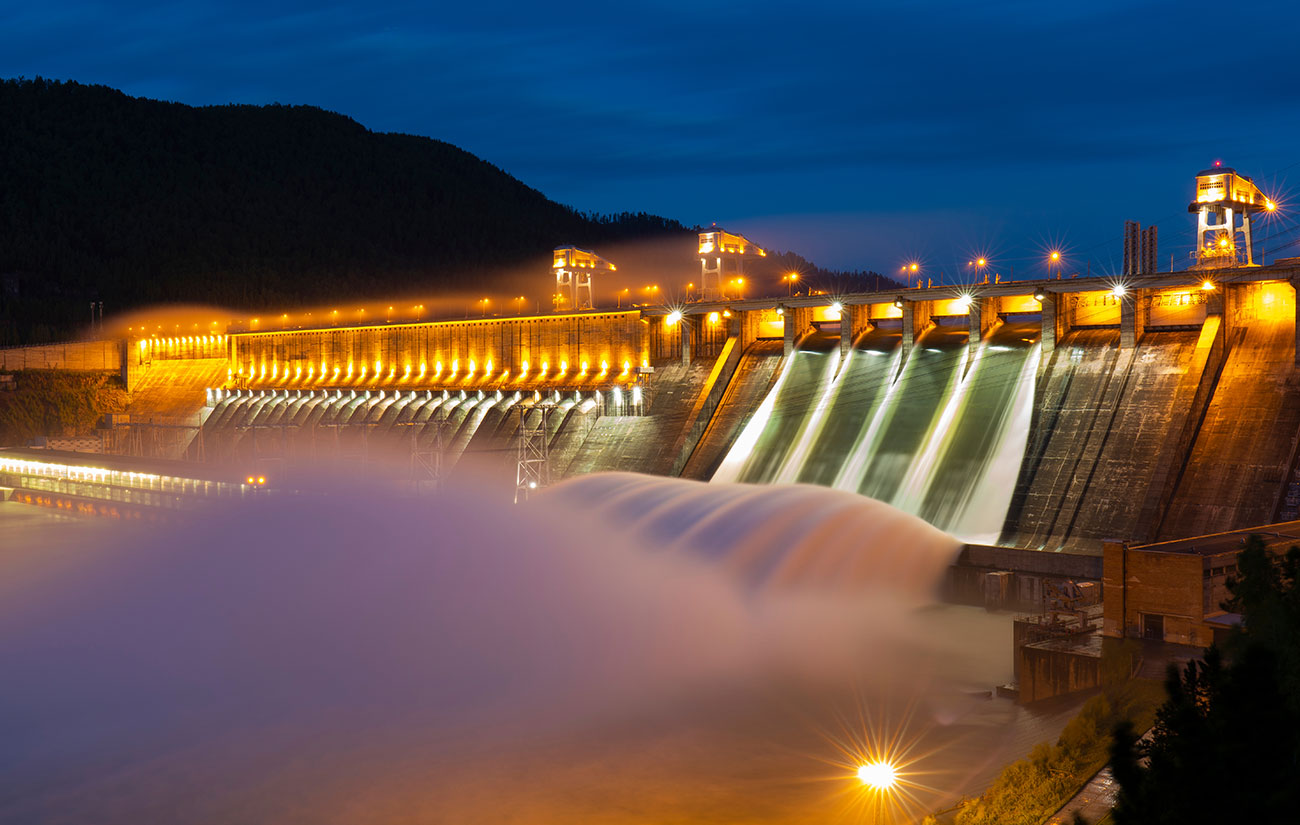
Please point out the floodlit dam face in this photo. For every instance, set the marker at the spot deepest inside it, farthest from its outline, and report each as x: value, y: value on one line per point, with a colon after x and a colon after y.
x: 1041, y: 415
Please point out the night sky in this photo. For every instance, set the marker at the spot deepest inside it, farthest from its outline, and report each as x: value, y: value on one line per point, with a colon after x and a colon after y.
x: 859, y: 135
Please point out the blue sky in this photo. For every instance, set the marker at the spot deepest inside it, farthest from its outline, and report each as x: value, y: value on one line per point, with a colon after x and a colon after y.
x: 860, y: 135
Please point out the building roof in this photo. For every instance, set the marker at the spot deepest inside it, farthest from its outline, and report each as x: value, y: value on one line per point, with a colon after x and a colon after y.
x: 1281, y: 535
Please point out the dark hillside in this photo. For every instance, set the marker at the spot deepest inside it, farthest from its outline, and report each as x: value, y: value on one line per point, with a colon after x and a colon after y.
x: 133, y: 201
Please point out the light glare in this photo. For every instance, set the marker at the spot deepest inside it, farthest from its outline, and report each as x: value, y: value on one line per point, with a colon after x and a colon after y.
x: 879, y: 775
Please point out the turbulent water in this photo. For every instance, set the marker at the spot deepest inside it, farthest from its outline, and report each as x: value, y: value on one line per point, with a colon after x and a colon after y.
x: 942, y: 439
x: 621, y: 649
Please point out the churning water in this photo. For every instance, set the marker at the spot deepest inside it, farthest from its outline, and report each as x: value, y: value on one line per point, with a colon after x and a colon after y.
x: 622, y: 649
x: 942, y: 439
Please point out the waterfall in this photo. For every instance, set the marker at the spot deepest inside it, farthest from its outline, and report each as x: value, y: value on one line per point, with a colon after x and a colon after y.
x: 943, y: 441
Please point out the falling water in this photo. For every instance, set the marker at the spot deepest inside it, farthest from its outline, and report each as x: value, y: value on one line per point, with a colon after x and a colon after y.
x: 777, y: 428
x: 858, y: 392
x: 907, y: 421
x: 987, y: 441
x: 943, y: 441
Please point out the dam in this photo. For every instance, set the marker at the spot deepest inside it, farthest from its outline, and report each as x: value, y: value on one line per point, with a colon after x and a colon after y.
x: 1054, y: 414
x: 1046, y: 415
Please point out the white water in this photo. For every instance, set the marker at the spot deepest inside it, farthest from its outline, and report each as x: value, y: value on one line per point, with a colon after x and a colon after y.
x: 783, y: 537
x: 911, y: 492
x: 855, y: 466
x: 982, y: 518
x: 733, y: 465
x: 815, y: 421
x: 978, y: 513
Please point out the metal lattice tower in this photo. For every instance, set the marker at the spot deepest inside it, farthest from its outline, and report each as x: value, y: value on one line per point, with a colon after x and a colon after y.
x: 427, y: 459
x: 533, y: 467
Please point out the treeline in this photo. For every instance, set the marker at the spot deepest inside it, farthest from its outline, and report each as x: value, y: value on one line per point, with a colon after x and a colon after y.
x: 57, y: 403
x: 133, y: 201
x: 770, y: 270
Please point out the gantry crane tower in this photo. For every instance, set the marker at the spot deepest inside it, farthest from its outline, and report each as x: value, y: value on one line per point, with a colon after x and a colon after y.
x: 1221, y: 195
x: 573, y: 268
x: 722, y: 262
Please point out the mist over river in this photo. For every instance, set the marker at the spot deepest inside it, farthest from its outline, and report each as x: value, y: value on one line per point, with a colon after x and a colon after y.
x: 621, y: 649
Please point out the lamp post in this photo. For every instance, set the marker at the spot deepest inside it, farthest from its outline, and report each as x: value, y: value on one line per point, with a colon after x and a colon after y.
x: 911, y: 270
x: 1054, y: 259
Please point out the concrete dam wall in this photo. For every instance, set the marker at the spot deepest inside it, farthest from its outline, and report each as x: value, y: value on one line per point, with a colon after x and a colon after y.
x: 1047, y: 415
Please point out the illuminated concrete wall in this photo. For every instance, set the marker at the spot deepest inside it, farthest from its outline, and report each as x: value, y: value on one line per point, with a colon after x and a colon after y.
x: 180, y: 347
x: 1092, y: 309
x: 578, y: 349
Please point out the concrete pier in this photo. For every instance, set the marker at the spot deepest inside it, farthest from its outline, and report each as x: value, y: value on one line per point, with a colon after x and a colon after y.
x: 916, y: 319
x: 983, y: 316
x: 1053, y: 327
x: 1132, y: 318
x: 1295, y: 286
x: 690, y: 327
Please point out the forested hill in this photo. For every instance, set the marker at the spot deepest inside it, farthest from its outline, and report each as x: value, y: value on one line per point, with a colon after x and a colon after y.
x: 133, y: 201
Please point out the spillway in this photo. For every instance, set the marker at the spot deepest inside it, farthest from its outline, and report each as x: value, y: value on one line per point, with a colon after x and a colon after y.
x: 784, y: 415
x: 904, y: 422
x: 942, y: 440
x: 1100, y: 433
x: 855, y: 396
